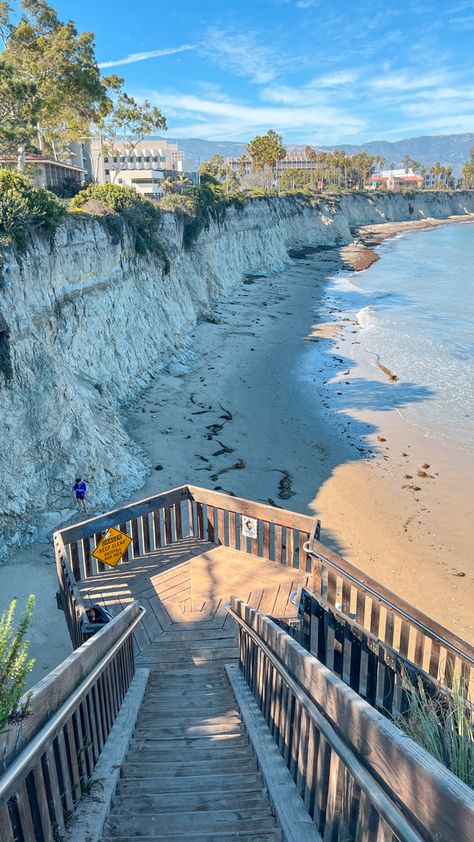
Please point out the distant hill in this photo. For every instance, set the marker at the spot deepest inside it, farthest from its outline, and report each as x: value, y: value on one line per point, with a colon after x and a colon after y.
x: 451, y: 150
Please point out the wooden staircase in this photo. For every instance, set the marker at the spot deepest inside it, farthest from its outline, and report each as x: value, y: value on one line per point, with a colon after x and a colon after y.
x: 190, y: 772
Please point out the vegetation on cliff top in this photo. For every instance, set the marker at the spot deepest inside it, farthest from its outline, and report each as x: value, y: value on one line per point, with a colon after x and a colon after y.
x: 24, y: 207
x: 122, y: 204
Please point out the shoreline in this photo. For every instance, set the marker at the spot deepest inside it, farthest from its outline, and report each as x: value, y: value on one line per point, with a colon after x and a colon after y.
x: 247, y: 361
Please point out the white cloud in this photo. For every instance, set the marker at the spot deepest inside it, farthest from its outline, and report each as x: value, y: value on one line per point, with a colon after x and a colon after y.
x: 335, y: 80
x: 242, y: 55
x: 219, y: 120
x: 408, y: 81
x: 134, y: 57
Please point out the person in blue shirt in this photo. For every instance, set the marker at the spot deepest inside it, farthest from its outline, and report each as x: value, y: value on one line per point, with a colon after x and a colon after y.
x: 80, y: 489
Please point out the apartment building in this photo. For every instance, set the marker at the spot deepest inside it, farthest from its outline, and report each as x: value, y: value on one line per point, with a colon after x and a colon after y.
x: 292, y: 160
x: 148, y: 154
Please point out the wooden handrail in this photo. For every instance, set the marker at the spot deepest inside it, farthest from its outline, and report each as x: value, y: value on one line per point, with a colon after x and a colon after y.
x: 72, y: 713
x: 35, y: 748
x: 367, y: 783
x: 97, y: 524
x: 249, y: 508
x: 435, y: 803
x: 395, y: 603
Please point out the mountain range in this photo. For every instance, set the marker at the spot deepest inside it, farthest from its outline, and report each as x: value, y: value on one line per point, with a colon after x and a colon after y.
x: 450, y: 150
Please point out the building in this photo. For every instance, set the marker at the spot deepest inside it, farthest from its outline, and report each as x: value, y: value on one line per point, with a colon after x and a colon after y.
x: 46, y: 172
x: 292, y: 160
x: 394, y: 179
x: 146, y: 182
x: 148, y: 155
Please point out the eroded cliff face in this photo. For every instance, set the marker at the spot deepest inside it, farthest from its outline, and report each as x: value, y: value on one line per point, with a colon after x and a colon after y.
x: 85, y: 323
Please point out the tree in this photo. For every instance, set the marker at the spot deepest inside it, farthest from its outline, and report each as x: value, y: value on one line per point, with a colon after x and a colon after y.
x: 14, y: 664
x: 19, y: 106
x: 60, y: 62
x: 294, y: 179
x: 468, y: 171
x: 215, y: 168
x: 125, y: 125
x: 168, y: 185
x: 409, y: 163
x: 183, y: 182
x: 439, y: 171
x: 265, y: 151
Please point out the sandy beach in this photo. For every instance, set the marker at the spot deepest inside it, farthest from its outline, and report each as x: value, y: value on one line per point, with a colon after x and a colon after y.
x: 355, y: 467
x: 265, y: 403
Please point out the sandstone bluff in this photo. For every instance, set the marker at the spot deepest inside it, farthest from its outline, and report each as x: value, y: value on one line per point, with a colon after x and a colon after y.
x: 85, y: 323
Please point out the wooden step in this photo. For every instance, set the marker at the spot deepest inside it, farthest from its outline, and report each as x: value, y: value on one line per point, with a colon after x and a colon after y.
x: 274, y: 835
x: 140, y: 763
x: 173, y: 732
x: 143, y: 803
x: 185, y: 823
x: 150, y: 717
x: 243, y: 782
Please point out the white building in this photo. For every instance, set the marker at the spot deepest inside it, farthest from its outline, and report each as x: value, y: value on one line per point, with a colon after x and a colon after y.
x: 147, y: 155
x: 146, y: 182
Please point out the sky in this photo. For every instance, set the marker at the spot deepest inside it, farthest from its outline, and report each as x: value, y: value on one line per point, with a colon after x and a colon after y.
x: 317, y: 71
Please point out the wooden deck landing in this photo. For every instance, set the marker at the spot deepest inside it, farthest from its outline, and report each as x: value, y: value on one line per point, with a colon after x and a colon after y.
x: 185, y: 587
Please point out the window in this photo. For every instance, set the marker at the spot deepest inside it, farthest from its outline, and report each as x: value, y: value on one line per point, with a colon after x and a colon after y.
x: 122, y: 159
x: 155, y: 157
x: 147, y: 158
x: 138, y: 160
x: 115, y: 160
x: 106, y: 160
x: 107, y: 172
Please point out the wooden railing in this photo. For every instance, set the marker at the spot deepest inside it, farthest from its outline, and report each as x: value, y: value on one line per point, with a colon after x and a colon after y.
x: 358, y: 775
x: 48, y: 759
x: 370, y: 666
x: 282, y: 537
x: 388, y: 617
x: 157, y: 522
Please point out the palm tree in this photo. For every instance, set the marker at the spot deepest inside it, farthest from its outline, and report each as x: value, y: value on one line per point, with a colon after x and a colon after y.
x: 168, y: 185
x: 182, y: 182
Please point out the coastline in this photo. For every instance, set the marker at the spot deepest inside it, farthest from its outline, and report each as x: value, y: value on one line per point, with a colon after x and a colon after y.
x: 249, y: 358
x: 248, y: 362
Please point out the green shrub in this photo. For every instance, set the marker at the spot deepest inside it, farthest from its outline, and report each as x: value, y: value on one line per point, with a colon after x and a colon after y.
x: 141, y: 215
x: 179, y: 203
x: 14, y: 664
x: 24, y: 207
x: 442, y: 724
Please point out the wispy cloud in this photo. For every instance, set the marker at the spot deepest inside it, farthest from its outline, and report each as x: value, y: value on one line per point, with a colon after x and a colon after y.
x: 134, y: 57
x: 408, y: 81
x: 242, y: 54
x: 219, y: 120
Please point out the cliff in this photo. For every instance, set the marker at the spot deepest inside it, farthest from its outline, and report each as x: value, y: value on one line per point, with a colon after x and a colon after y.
x: 85, y: 323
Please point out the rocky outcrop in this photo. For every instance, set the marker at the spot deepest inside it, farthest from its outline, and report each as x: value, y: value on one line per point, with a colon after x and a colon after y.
x: 85, y: 323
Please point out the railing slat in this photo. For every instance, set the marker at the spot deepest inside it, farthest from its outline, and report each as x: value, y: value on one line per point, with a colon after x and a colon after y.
x: 24, y: 810
x: 6, y: 832
x: 42, y: 801
x: 53, y: 783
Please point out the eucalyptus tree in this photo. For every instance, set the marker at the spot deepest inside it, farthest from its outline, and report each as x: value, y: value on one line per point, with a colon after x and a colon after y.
x: 19, y: 107
x: 126, y: 124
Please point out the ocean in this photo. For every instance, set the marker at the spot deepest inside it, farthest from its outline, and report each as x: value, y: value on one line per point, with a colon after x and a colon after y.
x: 415, y: 314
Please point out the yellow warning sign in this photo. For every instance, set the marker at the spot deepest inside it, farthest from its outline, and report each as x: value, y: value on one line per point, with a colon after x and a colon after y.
x: 111, y: 547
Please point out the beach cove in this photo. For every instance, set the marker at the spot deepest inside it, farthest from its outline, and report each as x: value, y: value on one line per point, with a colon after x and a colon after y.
x: 250, y: 399
x: 242, y: 411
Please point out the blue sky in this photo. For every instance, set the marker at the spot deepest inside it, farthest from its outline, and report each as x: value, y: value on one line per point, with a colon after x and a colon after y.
x: 315, y: 70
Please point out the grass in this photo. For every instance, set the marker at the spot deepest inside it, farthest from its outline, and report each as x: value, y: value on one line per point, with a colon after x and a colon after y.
x: 442, y: 724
